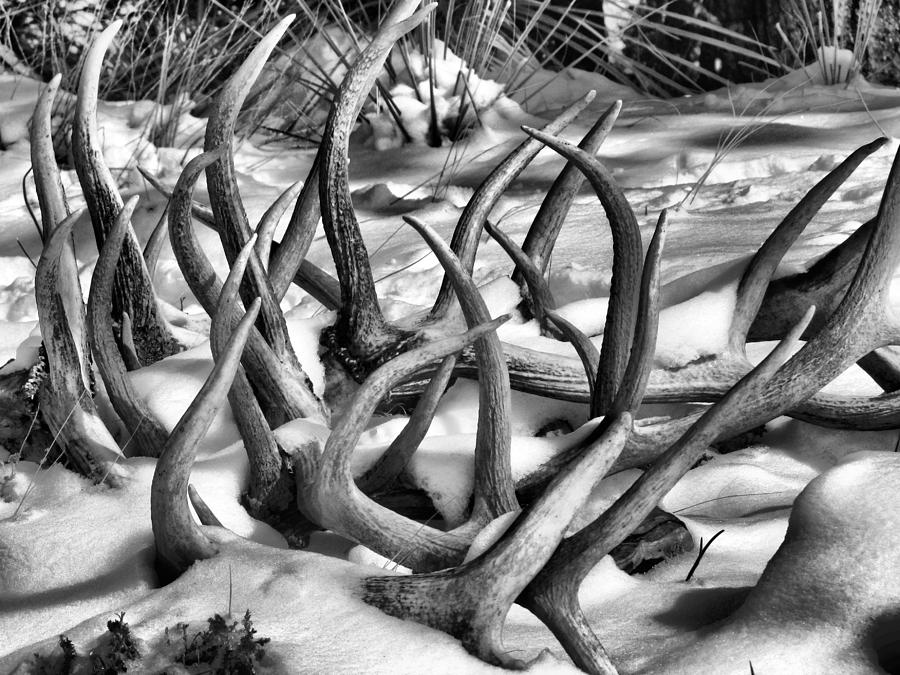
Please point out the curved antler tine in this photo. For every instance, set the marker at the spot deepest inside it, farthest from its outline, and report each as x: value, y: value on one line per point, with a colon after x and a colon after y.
x: 259, y: 441
x: 54, y: 209
x: 494, y: 490
x: 627, y: 249
x: 265, y: 231
x: 471, y: 601
x: 126, y: 343
x: 179, y: 540
x: 468, y: 230
x: 287, y: 393
x: 204, y: 513
x: 62, y: 353
x: 133, y: 292
x: 389, y: 466
x: 553, y: 595
x: 66, y: 403
x: 544, y: 304
x: 47, y: 181
x: 361, y: 324
x: 755, y: 280
x: 327, y: 494
x: 224, y: 194
x: 298, y: 236
x: 149, y: 436
x: 154, y: 245
x: 547, y: 224
x: 640, y: 363
x: 537, y: 286
x: 229, y: 292
x: 823, y: 285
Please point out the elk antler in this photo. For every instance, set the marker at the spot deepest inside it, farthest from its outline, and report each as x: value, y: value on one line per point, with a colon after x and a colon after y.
x: 65, y: 402
x: 133, y: 291
x: 180, y: 541
x: 148, y: 435
x: 472, y: 600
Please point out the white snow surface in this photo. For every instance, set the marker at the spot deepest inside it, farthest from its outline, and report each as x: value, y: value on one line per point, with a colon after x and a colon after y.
x: 72, y: 554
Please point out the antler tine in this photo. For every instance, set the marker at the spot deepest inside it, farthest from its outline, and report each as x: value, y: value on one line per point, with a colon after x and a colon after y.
x: 133, y: 292
x: 468, y: 230
x: 148, y: 434
x: 494, y: 494
x: 823, y: 285
x: 755, y: 280
x: 389, y: 466
x: 265, y: 230
x: 66, y: 403
x: 552, y: 596
x: 54, y: 209
x: 288, y: 257
x: 327, y: 494
x: 224, y: 194
x: 363, y: 329
x: 620, y: 318
x: 543, y: 305
x: 179, y: 540
x: 545, y: 228
x: 640, y: 362
x: 311, y: 278
x: 288, y: 394
x: 259, y: 441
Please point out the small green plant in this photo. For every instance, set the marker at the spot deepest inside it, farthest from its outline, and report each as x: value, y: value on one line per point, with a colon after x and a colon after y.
x: 56, y: 664
x: 227, y: 648
x: 115, y: 650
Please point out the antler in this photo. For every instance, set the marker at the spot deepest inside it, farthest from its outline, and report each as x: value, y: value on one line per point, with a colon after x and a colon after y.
x: 180, y: 541
x: 133, y: 291
x: 860, y: 323
x: 148, y: 435
x: 471, y: 601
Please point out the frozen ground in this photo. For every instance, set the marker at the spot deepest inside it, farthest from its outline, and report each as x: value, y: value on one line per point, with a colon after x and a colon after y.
x: 72, y: 555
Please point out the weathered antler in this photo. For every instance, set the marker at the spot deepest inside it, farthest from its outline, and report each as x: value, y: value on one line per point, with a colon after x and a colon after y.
x: 147, y: 435
x: 285, y: 391
x: 133, y: 291
x: 471, y: 601
x: 66, y: 404
x: 860, y: 323
x: 180, y: 541
x: 365, y: 335
x: 54, y: 209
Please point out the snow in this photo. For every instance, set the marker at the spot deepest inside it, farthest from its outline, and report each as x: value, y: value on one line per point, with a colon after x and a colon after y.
x: 72, y: 555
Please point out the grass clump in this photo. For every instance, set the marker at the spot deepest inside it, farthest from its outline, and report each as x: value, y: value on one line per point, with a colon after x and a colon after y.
x: 116, y: 649
x: 225, y: 648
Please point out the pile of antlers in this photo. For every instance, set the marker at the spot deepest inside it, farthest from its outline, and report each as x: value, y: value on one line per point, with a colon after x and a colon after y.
x: 531, y: 562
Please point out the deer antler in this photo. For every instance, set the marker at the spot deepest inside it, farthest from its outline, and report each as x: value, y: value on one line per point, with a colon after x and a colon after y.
x: 148, y: 435
x: 133, y: 291
x: 179, y: 540
x: 471, y: 601
x: 54, y: 209
x: 367, y: 333
x: 66, y: 404
x: 286, y: 392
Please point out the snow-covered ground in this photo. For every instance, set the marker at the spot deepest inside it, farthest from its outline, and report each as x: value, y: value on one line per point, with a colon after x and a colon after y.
x: 73, y: 555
